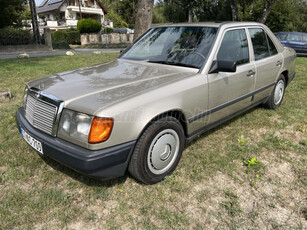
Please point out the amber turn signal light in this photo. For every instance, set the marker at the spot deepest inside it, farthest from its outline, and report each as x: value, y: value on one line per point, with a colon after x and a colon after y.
x: 100, y: 130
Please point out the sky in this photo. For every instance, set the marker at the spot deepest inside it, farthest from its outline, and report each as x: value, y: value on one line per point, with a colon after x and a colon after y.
x: 38, y: 2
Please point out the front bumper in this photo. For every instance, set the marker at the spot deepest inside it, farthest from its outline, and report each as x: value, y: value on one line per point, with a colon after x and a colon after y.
x: 101, y: 164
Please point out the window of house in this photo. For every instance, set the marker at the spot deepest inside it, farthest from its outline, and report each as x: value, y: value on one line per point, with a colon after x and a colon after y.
x: 234, y: 47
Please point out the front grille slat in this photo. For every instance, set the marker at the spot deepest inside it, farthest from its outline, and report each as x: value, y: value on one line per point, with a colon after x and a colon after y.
x: 40, y: 114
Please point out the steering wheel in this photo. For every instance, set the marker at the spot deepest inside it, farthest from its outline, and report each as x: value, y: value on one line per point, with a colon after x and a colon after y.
x: 199, y: 54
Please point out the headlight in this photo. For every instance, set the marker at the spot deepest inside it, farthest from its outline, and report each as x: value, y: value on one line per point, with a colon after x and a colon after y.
x: 84, y: 128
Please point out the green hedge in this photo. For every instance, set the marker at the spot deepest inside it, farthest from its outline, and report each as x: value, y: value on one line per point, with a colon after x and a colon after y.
x: 88, y: 25
x: 14, y: 36
x: 60, y: 45
x: 71, y: 36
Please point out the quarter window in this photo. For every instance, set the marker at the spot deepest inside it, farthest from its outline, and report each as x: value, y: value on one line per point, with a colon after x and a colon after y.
x: 234, y: 47
x: 262, y: 44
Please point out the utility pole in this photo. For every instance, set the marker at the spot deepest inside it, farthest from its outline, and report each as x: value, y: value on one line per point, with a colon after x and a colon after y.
x: 34, y: 22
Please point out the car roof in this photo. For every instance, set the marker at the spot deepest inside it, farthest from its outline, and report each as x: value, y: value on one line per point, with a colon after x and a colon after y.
x: 300, y: 33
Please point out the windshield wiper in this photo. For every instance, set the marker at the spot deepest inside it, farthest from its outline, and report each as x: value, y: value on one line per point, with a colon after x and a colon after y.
x: 173, y: 63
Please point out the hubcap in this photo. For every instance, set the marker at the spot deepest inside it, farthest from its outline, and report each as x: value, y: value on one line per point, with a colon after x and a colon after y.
x: 163, y: 151
x: 279, y: 92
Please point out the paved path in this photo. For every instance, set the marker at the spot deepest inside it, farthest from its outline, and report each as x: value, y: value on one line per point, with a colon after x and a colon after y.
x: 56, y: 52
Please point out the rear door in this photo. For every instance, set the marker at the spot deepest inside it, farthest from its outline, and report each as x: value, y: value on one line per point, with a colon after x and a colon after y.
x: 229, y: 92
x: 267, y: 60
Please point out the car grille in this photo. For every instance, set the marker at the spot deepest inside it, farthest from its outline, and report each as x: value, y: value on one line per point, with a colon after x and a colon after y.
x: 40, y: 114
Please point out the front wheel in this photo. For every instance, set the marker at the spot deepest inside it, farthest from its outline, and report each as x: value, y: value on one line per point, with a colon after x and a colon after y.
x: 277, y: 95
x: 157, y: 151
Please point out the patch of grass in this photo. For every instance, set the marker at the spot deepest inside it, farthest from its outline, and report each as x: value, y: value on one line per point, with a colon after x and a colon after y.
x: 231, y: 204
x: 211, y: 187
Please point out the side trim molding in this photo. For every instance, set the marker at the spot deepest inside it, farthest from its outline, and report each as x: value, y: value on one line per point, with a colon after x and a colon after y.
x: 207, y: 112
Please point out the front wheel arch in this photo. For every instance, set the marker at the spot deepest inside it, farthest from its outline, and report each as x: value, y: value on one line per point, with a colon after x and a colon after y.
x: 177, y: 114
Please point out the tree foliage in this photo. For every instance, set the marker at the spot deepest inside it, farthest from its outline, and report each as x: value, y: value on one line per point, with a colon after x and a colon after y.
x: 11, y: 11
x: 118, y: 21
x: 121, y: 12
x: 279, y: 15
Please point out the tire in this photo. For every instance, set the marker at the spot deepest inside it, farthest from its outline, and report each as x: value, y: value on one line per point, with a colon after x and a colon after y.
x: 277, y: 95
x: 158, y: 151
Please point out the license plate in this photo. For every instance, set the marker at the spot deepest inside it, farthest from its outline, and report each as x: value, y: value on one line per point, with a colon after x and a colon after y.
x: 37, y: 145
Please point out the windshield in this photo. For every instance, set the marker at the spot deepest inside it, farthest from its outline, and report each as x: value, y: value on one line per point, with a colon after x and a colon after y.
x: 182, y: 46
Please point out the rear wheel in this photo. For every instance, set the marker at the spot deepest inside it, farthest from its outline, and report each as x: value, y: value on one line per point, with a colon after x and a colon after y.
x: 157, y: 151
x: 277, y: 95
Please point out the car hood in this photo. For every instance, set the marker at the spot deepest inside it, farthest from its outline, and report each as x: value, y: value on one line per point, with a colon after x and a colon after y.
x: 106, y: 84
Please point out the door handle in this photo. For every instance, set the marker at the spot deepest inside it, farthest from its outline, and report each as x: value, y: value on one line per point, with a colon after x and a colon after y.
x: 279, y: 63
x: 250, y: 73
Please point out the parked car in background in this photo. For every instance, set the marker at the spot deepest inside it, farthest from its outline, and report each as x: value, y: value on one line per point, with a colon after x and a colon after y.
x: 137, y: 112
x: 297, y: 41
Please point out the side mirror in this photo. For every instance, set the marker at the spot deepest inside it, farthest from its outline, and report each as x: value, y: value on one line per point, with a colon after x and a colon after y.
x: 223, y: 66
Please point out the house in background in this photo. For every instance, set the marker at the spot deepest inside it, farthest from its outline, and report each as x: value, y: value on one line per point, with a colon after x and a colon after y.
x: 62, y: 14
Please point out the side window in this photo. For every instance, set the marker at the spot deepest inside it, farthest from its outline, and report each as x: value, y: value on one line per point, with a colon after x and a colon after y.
x: 260, y: 44
x: 272, y: 47
x: 283, y: 37
x: 234, y: 47
x: 304, y: 38
x: 294, y: 37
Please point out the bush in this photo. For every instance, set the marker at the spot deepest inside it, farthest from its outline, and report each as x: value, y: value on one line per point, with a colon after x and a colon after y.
x: 71, y: 36
x: 60, y: 45
x: 60, y: 35
x: 14, y: 36
x: 88, y: 25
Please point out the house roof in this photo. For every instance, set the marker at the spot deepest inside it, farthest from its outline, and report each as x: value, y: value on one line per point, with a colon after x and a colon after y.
x: 50, y: 5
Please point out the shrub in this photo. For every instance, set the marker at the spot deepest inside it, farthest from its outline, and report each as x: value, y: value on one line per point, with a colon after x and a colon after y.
x: 71, y: 36
x: 88, y: 25
x: 15, y: 36
x: 60, y: 35
x: 60, y: 45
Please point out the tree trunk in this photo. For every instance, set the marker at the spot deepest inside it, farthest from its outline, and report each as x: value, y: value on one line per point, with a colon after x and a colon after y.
x: 234, y: 10
x: 143, y: 17
x: 35, y: 25
x: 266, y: 11
x: 190, y: 16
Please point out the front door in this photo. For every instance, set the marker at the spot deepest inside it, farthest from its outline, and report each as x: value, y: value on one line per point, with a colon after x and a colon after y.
x: 231, y: 92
